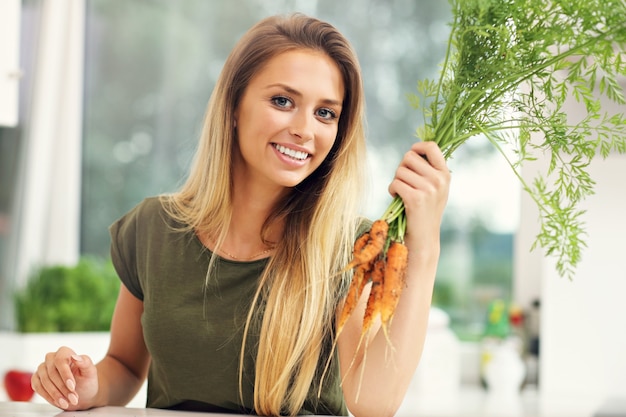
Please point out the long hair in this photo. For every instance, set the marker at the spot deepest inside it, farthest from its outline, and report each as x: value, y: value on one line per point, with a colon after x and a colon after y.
x: 294, y: 306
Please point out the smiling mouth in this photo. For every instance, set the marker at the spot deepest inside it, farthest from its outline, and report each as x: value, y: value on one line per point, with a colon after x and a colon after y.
x: 298, y: 155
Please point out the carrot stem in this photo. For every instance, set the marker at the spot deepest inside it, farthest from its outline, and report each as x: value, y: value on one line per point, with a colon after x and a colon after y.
x: 394, y: 215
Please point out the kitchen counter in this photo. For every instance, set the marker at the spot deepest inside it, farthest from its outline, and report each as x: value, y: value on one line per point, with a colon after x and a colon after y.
x: 468, y: 402
x: 21, y: 409
x: 474, y: 401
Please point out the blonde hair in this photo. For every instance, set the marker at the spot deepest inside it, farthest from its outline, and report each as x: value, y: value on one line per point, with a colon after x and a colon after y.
x: 294, y: 306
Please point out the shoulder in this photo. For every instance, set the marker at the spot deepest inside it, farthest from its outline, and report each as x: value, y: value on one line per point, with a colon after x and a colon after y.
x: 147, y: 218
x: 149, y: 207
x: 153, y: 203
x: 148, y: 211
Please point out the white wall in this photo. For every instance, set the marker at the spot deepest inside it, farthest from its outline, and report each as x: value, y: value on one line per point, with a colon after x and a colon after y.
x: 583, y: 334
x: 583, y: 331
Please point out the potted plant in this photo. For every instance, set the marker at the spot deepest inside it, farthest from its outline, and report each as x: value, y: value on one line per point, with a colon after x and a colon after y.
x: 59, y: 298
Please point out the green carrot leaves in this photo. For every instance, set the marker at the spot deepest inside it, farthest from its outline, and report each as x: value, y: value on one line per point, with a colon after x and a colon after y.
x: 510, y: 69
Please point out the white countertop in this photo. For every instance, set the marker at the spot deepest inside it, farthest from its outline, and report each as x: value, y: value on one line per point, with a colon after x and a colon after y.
x: 468, y: 402
x: 17, y: 409
x: 474, y: 401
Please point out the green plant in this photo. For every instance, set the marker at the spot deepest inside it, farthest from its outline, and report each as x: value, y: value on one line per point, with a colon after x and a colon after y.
x: 509, y: 69
x: 68, y: 298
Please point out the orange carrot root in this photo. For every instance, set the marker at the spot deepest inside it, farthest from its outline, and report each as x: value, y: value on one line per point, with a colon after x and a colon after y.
x: 359, y: 280
x: 394, y: 281
x: 360, y: 243
x: 373, y: 307
x: 372, y: 310
x: 357, y: 285
x: 386, y: 272
x: 377, y: 236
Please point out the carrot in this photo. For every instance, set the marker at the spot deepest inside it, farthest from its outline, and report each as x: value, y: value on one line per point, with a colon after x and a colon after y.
x: 369, y: 265
x: 359, y: 280
x: 394, y: 279
x: 373, y: 307
x: 356, y: 285
x: 377, y: 236
x: 372, y: 310
x: 360, y: 243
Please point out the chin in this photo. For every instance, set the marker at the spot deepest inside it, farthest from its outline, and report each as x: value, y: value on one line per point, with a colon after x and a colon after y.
x: 290, y: 182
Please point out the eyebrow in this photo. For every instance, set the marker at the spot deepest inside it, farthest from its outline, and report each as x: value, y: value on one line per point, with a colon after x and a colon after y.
x: 290, y: 90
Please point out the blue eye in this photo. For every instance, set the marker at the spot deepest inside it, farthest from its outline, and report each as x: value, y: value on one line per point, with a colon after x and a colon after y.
x: 281, y: 101
x: 327, y: 114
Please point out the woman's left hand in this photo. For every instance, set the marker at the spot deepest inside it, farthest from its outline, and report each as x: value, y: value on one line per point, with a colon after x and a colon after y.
x: 422, y: 180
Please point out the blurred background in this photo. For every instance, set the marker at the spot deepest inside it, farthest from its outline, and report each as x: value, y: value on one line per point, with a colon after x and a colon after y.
x: 149, y: 68
x: 101, y: 105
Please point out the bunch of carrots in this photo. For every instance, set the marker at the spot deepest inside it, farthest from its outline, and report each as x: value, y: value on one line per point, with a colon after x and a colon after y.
x: 380, y: 257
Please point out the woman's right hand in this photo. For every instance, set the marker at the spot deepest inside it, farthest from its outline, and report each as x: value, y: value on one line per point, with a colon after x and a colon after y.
x: 67, y: 380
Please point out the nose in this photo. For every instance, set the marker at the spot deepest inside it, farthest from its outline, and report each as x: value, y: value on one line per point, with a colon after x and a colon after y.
x: 302, y: 126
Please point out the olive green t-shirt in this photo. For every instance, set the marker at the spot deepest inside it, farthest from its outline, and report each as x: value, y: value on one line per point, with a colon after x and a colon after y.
x: 194, y: 331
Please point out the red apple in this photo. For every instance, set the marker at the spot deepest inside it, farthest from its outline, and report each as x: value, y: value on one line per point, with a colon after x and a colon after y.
x: 17, y: 384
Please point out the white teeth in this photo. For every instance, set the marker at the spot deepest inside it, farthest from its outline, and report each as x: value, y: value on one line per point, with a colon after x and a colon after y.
x: 290, y: 152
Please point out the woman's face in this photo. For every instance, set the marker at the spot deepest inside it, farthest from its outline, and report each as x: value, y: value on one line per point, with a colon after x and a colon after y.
x: 288, y: 117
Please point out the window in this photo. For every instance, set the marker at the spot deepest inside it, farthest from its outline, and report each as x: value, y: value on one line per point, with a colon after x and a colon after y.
x: 150, y: 67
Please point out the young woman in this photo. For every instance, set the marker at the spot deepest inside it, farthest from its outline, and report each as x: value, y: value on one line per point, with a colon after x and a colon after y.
x: 230, y: 286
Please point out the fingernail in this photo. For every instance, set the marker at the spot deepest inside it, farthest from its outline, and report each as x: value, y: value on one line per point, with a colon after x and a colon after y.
x: 70, y: 385
x: 77, y: 358
x: 63, y: 403
x: 73, y: 399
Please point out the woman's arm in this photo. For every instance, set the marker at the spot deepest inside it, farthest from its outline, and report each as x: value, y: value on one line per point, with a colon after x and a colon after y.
x: 125, y: 366
x: 73, y: 382
x: 376, y: 379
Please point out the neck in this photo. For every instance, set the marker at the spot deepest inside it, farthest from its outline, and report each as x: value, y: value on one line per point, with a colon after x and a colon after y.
x: 251, y: 207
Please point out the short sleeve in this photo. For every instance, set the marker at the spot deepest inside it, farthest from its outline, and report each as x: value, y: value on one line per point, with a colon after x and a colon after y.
x: 124, y: 251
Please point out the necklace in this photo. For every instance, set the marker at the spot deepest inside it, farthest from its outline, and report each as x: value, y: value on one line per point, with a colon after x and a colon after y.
x: 230, y: 255
x: 237, y: 258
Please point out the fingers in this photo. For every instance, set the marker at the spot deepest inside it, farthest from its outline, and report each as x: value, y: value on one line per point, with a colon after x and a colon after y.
x: 425, y: 158
x: 50, y: 379
x: 82, y: 365
x: 430, y: 152
x: 422, y: 180
x: 422, y: 168
x: 54, y: 379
